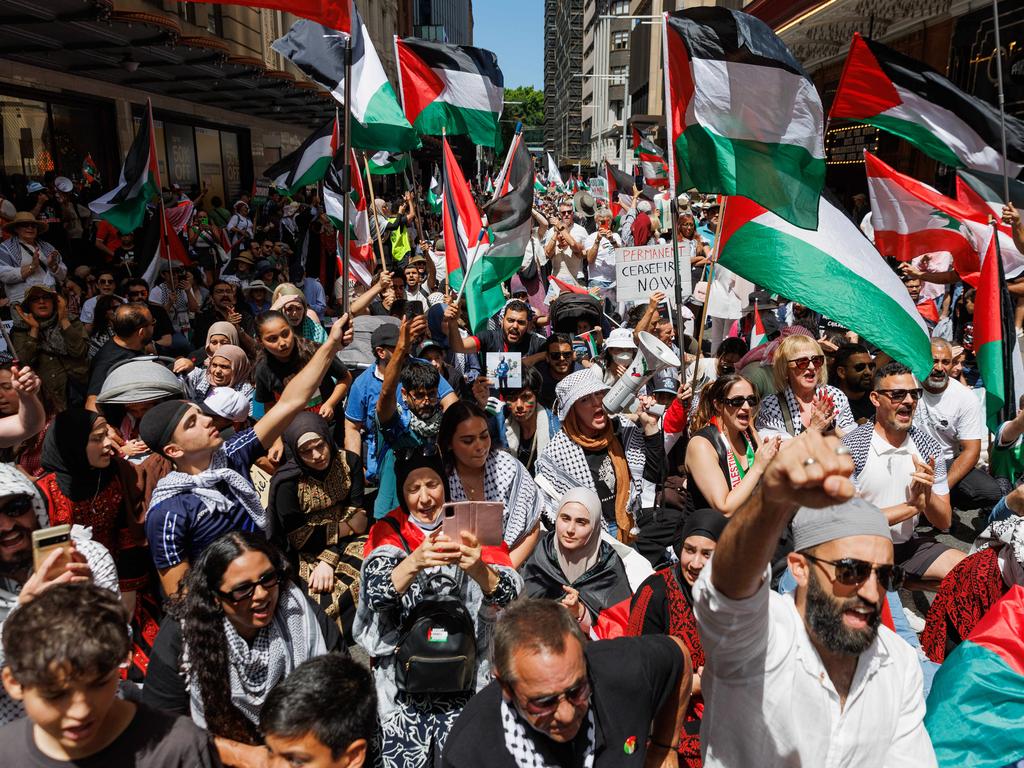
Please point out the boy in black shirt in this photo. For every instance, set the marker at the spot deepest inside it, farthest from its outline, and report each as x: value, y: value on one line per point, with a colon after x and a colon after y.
x: 63, y: 654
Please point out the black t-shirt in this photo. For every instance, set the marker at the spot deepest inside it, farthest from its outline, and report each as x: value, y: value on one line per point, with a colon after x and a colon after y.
x: 863, y: 409
x: 162, y: 321
x: 153, y: 739
x: 109, y: 355
x: 271, y: 373
x: 631, y: 678
x: 547, y: 395
x: 493, y: 341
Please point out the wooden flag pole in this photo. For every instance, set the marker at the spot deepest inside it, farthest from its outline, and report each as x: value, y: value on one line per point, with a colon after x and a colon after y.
x: 373, y: 205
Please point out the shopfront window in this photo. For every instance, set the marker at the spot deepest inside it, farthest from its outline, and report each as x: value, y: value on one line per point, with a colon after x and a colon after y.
x: 25, y: 136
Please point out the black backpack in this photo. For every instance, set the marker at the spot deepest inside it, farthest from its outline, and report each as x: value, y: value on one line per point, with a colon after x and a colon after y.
x: 436, y: 651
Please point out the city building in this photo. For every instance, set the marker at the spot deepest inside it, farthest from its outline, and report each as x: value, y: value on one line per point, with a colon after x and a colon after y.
x: 446, y: 21
x: 605, y: 81
x: 563, y: 86
x: 75, y: 76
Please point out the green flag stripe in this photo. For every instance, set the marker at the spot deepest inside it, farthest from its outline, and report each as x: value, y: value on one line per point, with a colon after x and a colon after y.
x: 128, y: 215
x: 918, y: 135
x: 990, y: 365
x: 480, y: 126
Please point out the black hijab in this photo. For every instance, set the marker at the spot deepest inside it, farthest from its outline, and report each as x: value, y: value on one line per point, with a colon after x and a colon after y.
x: 293, y: 467
x: 703, y: 522
x: 64, y: 454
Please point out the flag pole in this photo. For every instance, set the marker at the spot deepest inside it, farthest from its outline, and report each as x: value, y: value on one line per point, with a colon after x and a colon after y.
x: 999, y: 88
x: 707, y: 294
x: 373, y: 205
x: 346, y: 178
x: 672, y: 204
x: 165, y: 246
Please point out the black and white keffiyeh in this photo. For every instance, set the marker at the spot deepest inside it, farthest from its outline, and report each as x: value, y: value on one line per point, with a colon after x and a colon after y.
x: 204, y: 486
x: 771, y: 421
x: 522, y: 747
x: 1008, y: 536
x: 292, y: 637
x: 506, y: 480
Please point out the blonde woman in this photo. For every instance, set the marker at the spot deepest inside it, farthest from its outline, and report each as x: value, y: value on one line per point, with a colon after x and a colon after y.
x: 804, y: 400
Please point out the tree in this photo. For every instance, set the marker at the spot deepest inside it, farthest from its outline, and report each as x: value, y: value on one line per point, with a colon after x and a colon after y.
x: 527, y: 107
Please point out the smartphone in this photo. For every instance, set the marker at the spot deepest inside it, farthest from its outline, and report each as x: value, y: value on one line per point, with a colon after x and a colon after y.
x: 414, y: 309
x: 45, y: 540
x: 482, y: 518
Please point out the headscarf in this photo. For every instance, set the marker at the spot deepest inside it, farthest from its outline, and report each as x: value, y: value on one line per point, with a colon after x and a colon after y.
x: 239, y: 361
x: 221, y: 328
x: 435, y: 316
x: 303, y: 423
x: 576, y: 563
x: 286, y: 293
x: 704, y: 522
x: 64, y: 454
x: 419, y: 457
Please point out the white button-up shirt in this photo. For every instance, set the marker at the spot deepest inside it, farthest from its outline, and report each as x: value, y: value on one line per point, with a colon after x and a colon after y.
x: 769, y: 700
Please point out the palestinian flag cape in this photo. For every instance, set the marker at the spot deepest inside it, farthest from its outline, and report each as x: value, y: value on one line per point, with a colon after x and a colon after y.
x: 906, y: 227
x: 360, y: 243
x: 319, y: 51
x: 462, y: 227
x: 651, y: 158
x: 434, y: 192
x: 744, y: 117
x: 895, y: 93
x: 833, y: 270
x: 125, y: 205
x: 985, y: 191
x: 454, y: 88
x: 976, y: 702
x: 388, y: 163
x: 309, y: 163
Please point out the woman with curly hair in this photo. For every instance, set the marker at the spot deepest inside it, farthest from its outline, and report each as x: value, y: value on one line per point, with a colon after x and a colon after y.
x: 239, y: 627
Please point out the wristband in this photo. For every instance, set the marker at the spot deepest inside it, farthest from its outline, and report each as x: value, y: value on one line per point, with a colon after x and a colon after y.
x: 672, y: 747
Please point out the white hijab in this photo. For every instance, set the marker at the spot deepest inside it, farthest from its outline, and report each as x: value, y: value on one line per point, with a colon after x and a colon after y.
x: 576, y: 563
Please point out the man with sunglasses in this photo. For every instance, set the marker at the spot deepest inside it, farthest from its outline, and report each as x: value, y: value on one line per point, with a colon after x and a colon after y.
x: 855, y: 374
x: 558, y: 700
x: 813, y: 677
x: 559, y: 361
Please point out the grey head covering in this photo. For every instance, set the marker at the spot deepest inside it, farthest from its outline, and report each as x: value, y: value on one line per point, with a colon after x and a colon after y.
x: 855, y: 517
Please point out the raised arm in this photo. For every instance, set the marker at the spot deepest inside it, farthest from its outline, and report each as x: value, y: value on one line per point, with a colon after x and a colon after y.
x: 30, y: 418
x: 387, y: 403
x: 457, y: 343
x: 300, y: 389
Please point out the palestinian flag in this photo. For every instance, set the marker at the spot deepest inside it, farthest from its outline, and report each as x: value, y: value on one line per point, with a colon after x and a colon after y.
x: 360, y: 243
x: 758, y: 335
x: 652, y: 159
x: 501, y: 186
x: 620, y: 187
x: 308, y: 164
x: 985, y: 191
x: 434, y: 192
x: 976, y: 702
x: 319, y: 51
x: 460, y: 219
x: 906, y: 227
x: 569, y: 287
x: 386, y: 163
x: 589, y: 344
x: 89, y: 171
x: 125, y: 205
x: 833, y: 270
x: 169, y: 246
x: 745, y: 118
x: 554, y: 177
x: 453, y: 88
x: 539, y: 188
x: 489, y: 186
x: 895, y: 93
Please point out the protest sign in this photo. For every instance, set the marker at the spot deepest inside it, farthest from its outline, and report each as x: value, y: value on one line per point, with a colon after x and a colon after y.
x: 640, y: 271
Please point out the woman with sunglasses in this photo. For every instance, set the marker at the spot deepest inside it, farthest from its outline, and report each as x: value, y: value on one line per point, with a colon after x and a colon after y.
x: 407, y: 562
x: 725, y: 457
x: 238, y: 627
x: 805, y: 400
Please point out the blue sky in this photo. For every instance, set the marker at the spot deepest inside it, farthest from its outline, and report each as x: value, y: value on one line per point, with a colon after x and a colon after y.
x: 514, y: 30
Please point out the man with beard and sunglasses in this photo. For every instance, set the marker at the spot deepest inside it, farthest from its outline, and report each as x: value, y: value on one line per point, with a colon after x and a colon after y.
x: 855, y: 374
x: 813, y: 677
x: 901, y: 469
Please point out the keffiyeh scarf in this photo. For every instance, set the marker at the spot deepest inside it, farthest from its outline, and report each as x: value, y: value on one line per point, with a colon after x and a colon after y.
x: 522, y: 747
x: 506, y: 480
x: 426, y: 428
x: 1008, y: 535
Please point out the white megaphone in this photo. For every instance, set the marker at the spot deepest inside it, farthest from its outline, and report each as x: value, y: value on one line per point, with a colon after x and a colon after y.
x: 651, y: 357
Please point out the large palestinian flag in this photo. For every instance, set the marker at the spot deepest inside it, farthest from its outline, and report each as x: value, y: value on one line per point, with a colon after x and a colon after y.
x: 907, y: 227
x: 833, y: 270
x: 125, y: 205
x: 319, y: 51
x: 460, y: 220
x: 976, y: 703
x: 895, y: 93
x: 745, y: 119
x: 651, y: 159
x: 309, y: 163
x: 453, y: 88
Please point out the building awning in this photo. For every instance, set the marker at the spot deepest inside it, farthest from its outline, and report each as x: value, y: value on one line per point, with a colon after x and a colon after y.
x: 134, y: 44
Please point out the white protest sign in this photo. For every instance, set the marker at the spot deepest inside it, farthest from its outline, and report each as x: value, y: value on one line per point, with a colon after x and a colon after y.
x: 642, y: 270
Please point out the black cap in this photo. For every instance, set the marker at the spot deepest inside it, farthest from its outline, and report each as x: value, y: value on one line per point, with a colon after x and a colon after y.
x: 384, y: 336
x: 158, y: 425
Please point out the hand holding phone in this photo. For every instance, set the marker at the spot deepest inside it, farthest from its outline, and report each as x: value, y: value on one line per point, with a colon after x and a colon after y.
x: 484, y: 519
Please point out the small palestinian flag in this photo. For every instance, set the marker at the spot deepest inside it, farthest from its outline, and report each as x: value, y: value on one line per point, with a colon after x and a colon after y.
x: 456, y: 89
x: 620, y: 187
x: 360, y: 243
x: 758, y: 336
x: 125, y: 205
x: 489, y: 186
x: 434, y: 192
x: 554, y: 175
x: 309, y: 163
x: 389, y: 163
x: 652, y: 159
x: 89, y: 170
x: 745, y: 118
x: 895, y: 93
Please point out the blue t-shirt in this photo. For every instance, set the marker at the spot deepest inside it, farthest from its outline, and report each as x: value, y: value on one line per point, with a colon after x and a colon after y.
x: 180, y: 528
x: 362, y: 409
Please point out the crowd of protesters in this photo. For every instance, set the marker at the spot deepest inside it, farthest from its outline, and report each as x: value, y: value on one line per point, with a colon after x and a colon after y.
x: 257, y: 482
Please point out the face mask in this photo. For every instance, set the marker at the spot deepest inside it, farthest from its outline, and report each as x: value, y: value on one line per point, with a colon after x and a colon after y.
x: 623, y: 358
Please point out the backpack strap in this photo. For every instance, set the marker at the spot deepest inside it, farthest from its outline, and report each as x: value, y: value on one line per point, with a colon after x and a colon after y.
x: 394, y: 525
x: 787, y: 415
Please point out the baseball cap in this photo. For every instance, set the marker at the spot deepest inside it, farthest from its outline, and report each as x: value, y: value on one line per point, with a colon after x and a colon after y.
x: 384, y: 336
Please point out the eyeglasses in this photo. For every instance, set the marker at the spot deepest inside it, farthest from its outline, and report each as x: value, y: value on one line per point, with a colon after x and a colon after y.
x: 736, y: 402
x: 578, y: 695
x: 245, y: 591
x: 803, y: 363
x: 16, y: 506
x: 851, y: 572
x: 560, y: 355
x: 899, y: 395
x: 861, y: 366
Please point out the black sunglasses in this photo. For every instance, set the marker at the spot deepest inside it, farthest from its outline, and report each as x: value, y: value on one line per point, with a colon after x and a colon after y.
x: 851, y: 572
x: 736, y: 402
x: 899, y: 395
x: 16, y: 506
x: 560, y: 355
x: 545, y: 705
x: 861, y: 366
x: 245, y: 591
